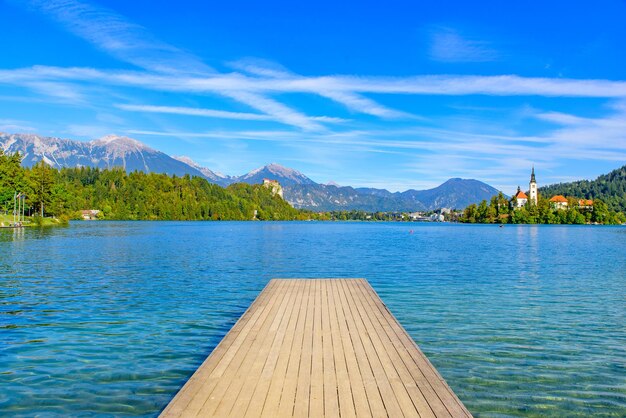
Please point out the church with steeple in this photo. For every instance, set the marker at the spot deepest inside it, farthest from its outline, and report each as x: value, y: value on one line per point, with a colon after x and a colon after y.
x: 520, y: 198
x: 532, y: 194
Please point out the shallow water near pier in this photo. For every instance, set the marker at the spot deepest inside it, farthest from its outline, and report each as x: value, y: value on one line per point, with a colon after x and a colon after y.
x: 111, y: 318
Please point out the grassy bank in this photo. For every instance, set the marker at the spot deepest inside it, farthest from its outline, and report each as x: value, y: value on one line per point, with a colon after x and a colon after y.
x: 30, y: 221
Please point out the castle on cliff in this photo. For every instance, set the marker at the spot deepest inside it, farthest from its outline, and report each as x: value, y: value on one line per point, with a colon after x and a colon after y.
x: 274, y: 186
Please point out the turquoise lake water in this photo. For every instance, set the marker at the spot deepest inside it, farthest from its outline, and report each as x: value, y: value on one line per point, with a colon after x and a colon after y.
x: 111, y: 318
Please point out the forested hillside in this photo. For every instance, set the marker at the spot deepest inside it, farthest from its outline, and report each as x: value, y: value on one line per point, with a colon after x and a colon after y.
x: 611, y: 188
x: 136, y: 195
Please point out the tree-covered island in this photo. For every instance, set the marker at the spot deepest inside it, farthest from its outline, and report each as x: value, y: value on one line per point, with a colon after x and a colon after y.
x: 577, y: 211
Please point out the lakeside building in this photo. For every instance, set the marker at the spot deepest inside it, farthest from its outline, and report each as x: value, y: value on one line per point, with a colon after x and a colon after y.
x: 89, y: 215
x: 558, y: 202
x: 585, y: 204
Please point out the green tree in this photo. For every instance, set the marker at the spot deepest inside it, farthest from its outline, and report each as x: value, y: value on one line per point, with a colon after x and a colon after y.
x: 41, y: 181
x: 600, y: 213
x: 470, y: 214
x: 520, y: 216
x: 12, y: 179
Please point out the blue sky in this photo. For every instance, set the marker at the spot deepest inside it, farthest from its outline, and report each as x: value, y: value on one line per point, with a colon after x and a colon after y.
x: 401, y: 95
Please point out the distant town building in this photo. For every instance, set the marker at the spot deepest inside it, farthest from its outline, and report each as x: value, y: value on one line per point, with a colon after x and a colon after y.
x: 274, y: 186
x: 89, y: 215
x: 558, y: 202
x: 415, y: 215
x: 520, y: 198
x: 419, y: 217
x: 437, y: 217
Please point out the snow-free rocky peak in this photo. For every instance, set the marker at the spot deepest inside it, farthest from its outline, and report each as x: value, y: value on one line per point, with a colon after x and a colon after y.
x: 120, y: 144
x: 107, y: 152
x: 273, y: 171
x: 214, y: 176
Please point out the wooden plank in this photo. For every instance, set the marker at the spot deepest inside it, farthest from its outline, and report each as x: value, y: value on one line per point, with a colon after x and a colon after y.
x: 405, y: 387
x: 316, y: 395
x: 426, y: 395
x: 238, y: 396
x: 352, y: 396
x: 282, y: 391
x: 231, y: 358
x: 303, y: 389
x: 372, y: 390
x: 229, y: 345
x: 430, y: 374
x: 269, y: 386
x: 316, y: 348
x: 393, y: 393
x: 229, y: 382
x: 329, y: 384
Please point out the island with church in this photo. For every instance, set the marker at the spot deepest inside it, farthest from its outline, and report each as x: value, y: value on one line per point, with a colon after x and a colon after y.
x: 530, y: 207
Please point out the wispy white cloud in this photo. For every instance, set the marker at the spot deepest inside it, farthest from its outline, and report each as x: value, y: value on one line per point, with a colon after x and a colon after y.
x: 234, y: 84
x: 12, y: 125
x: 192, y: 111
x: 276, y: 109
x: 600, y: 139
x: 61, y: 92
x: 447, y: 45
x: 364, y: 105
x: 329, y: 119
x: 119, y: 37
x: 351, y: 100
x: 212, y: 113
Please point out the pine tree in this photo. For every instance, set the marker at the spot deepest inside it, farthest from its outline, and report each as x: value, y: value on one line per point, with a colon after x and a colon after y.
x: 41, y: 182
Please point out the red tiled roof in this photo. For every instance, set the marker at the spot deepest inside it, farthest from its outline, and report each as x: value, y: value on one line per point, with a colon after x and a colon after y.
x: 584, y: 202
x: 558, y: 199
x: 521, y: 195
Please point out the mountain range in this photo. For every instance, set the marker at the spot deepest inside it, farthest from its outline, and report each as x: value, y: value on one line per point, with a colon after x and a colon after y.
x: 454, y: 193
x: 299, y: 190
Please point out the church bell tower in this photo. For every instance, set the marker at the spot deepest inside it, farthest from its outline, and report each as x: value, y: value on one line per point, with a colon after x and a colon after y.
x: 532, y: 195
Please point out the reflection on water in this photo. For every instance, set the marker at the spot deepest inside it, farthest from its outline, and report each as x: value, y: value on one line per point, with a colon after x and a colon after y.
x: 111, y: 318
x: 11, y: 234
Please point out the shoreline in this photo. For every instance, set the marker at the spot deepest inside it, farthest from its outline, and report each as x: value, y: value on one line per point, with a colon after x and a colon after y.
x: 329, y: 221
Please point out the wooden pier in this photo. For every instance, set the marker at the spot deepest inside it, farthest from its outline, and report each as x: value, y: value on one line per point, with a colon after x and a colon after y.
x: 316, y: 348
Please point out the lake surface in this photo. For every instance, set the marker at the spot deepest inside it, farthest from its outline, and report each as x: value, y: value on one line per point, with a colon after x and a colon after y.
x: 111, y: 318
